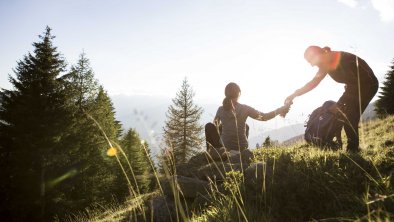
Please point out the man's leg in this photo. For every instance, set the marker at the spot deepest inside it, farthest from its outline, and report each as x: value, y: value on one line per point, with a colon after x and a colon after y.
x: 349, y: 108
x: 351, y: 120
x: 350, y: 104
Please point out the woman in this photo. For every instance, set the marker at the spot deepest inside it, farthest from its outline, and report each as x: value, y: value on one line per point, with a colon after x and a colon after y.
x: 360, y: 82
x: 231, y: 117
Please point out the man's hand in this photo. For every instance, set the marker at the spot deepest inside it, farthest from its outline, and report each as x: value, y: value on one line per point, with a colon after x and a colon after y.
x: 289, y: 100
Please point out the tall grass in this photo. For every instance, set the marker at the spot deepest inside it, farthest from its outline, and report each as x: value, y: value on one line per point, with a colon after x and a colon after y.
x: 298, y: 183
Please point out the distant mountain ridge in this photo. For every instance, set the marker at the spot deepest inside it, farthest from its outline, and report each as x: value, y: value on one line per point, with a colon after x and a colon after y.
x: 281, y: 134
x: 147, y: 115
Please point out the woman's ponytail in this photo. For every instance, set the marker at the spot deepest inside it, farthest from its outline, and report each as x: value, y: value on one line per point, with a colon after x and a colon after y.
x: 228, y: 104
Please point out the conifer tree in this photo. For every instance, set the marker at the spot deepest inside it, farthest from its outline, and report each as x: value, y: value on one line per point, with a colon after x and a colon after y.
x: 93, y: 182
x: 385, y: 103
x: 151, y: 165
x: 267, y: 142
x: 182, y: 130
x: 139, y: 162
x: 81, y: 83
x: 104, y: 113
x: 33, y: 121
x: 53, y: 152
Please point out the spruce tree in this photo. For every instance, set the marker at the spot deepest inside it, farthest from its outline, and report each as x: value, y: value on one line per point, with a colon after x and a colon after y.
x: 139, y: 161
x: 93, y: 182
x: 81, y: 83
x: 104, y: 112
x: 33, y: 121
x: 267, y: 142
x: 385, y: 103
x: 182, y: 130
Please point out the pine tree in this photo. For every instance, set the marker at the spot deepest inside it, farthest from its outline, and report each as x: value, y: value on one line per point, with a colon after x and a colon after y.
x: 33, y: 121
x: 182, y: 131
x: 385, y: 103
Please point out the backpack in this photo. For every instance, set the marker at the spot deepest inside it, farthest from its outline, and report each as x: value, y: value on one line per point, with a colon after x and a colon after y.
x: 322, y: 126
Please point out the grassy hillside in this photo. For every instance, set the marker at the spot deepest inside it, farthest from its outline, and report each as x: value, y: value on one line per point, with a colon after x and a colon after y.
x: 298, y: 183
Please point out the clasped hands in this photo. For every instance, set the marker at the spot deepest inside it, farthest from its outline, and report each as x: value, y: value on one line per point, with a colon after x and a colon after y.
x: 284, y: 109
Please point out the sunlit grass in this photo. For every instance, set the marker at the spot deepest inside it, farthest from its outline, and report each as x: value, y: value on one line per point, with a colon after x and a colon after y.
x: 297, y: 183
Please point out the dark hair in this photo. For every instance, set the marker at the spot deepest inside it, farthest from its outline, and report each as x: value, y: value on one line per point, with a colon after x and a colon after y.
x: 231, y: 91
x: 315, y: 50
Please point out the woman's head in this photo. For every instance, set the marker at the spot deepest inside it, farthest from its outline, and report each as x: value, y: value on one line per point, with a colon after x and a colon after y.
x: 316, y: 56
x: 232, y: 92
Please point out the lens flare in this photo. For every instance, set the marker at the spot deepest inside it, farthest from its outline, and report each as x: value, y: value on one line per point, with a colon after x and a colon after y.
x: 112, y: 151
x: 335, y: 61
x: 61, y: 178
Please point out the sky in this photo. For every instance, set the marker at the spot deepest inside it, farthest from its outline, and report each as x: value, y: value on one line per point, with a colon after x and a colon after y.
x: 149, y: 47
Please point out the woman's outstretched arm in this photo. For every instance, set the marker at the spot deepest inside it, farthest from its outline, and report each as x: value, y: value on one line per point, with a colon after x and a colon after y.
x: 267, y: 116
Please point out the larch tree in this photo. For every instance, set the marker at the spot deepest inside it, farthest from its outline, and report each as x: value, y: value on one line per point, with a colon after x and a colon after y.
x: 182, y: 130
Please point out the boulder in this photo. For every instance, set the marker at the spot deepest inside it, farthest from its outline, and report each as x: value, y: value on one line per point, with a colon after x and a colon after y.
x: 217, y: 170
x: 245, y: 156
x: 187, y: 187
x: 205, y: 158
x: 162, y: 209
x: 187, y: 170
x: 199, y: 159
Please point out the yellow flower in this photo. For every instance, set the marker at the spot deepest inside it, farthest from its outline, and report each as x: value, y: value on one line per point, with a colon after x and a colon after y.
x: 112, y: 151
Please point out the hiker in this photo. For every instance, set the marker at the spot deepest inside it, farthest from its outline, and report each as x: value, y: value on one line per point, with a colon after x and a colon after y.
x: 229, y: 128
x: 360, y: 82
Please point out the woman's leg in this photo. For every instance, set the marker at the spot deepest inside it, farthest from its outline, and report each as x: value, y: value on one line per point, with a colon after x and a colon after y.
x: 212, y: 136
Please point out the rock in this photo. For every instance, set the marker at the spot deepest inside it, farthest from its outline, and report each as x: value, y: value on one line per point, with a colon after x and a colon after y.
x: 219, y: 154
x: 162, y: 208
x: 187, y: 187
x: 257, y: 174
x: 201, y: 201
x: 199, y: 159
x: 187, y: 170
x: 245, y: 156
x: 205, y: 158
x: 217, y: 170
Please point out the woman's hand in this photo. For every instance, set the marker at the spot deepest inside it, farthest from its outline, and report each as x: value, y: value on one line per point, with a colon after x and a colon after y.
x: 282, y: 111
x: 289, y: 100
